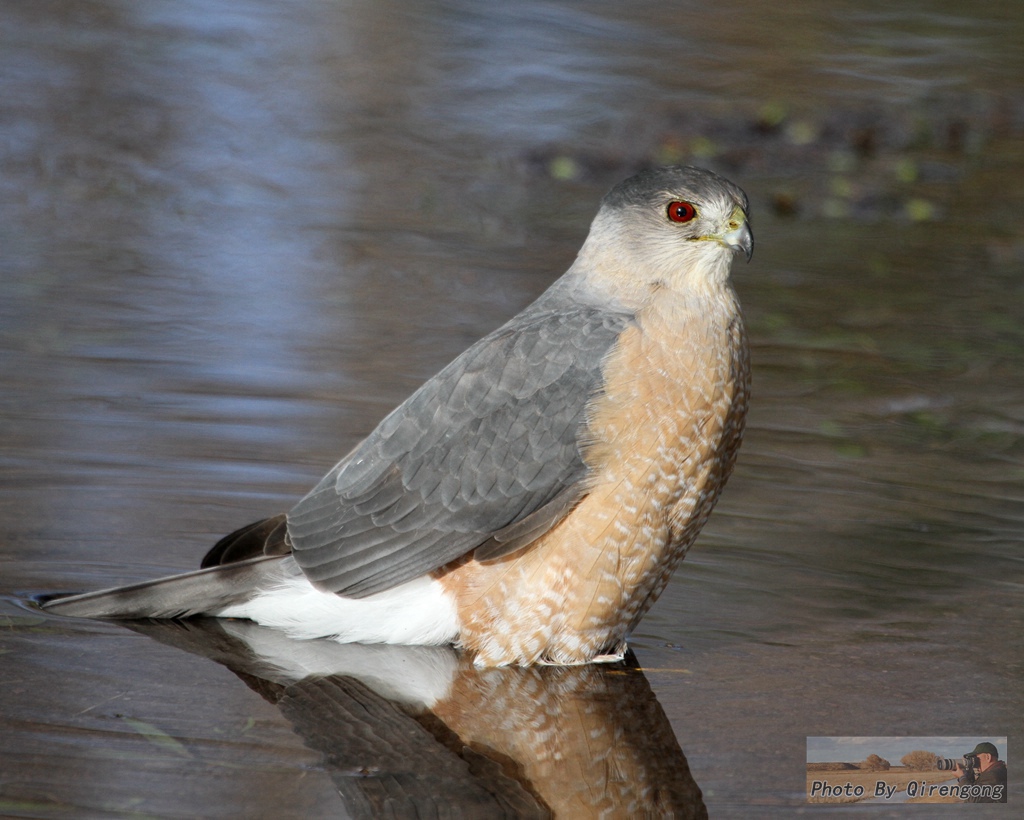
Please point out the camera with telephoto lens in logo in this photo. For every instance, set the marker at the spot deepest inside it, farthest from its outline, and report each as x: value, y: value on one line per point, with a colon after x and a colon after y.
x: 970, y: 764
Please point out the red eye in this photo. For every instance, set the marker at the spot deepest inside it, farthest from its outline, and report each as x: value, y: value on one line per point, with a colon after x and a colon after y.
x: 679, y: 211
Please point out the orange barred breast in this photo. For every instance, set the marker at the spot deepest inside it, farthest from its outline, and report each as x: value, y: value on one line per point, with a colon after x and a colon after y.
x: 662, y: 441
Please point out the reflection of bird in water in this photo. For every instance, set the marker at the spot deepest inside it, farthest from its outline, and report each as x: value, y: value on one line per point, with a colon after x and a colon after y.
x: 421, y: 732
x: 530, y: 501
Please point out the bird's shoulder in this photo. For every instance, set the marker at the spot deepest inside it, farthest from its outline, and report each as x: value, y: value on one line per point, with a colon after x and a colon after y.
x: 490, y: 441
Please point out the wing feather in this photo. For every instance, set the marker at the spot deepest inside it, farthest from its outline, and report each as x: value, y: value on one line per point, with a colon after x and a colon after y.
x: 489, y: 443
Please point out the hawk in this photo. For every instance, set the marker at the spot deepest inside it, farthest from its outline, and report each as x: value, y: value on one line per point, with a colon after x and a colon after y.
x: 529, y: 502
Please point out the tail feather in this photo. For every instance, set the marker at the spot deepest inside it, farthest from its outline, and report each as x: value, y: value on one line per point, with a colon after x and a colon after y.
x: 205, y: 591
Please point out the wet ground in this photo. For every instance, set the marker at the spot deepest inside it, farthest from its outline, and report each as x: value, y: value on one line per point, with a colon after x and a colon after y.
x: 233, y: 236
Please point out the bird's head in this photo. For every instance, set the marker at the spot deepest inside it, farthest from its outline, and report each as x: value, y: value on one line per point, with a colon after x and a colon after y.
x: 675, y: 227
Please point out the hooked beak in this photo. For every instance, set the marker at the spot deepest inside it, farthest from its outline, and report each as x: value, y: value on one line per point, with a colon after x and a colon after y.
x: 740, y: 237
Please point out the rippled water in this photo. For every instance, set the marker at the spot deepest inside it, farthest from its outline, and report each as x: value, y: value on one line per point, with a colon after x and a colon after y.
x: 233, y: 236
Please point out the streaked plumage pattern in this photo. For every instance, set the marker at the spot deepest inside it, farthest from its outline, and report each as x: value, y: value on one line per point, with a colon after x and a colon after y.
x: 664, y: 437
x: 531, y: 500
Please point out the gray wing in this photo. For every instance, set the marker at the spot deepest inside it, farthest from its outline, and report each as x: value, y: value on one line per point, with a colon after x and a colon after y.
x: 485, y: 454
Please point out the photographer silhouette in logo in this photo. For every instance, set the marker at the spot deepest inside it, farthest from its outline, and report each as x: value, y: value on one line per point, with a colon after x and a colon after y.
x: 988, y: 771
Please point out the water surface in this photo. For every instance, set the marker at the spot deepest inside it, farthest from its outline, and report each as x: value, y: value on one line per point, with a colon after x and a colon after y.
x: 233, y: 236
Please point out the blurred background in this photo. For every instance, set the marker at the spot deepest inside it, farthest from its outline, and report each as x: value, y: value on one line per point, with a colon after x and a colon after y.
x: 234, y: 235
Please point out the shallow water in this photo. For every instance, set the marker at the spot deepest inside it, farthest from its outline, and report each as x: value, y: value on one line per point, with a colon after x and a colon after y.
x: 233, y: 236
